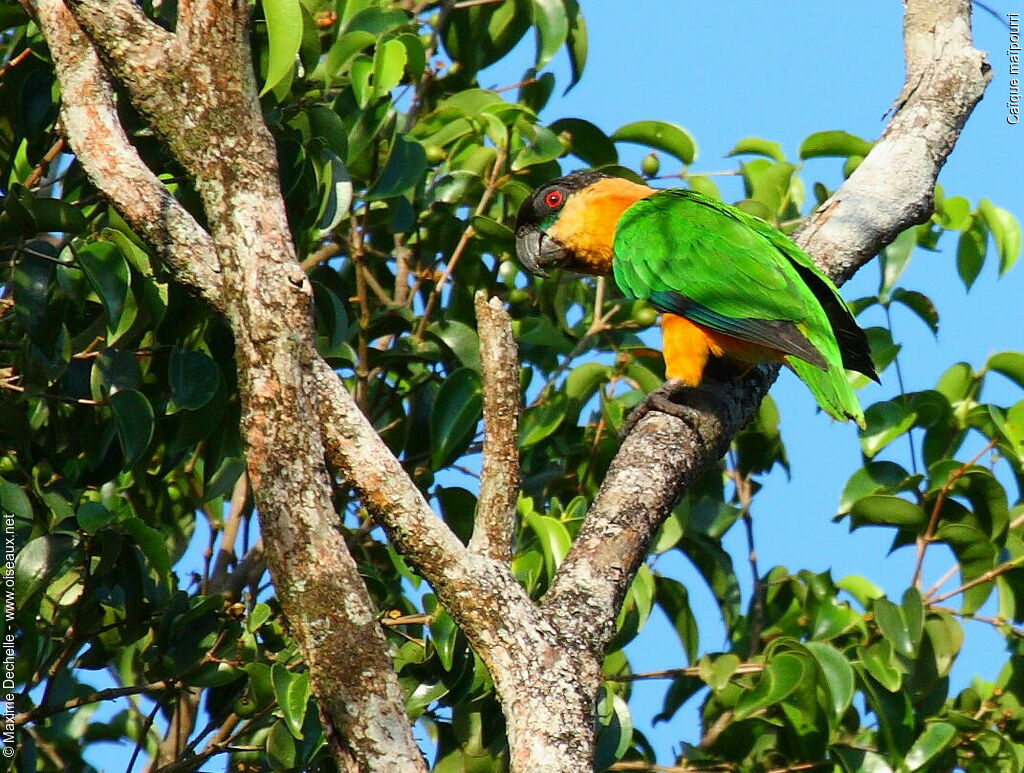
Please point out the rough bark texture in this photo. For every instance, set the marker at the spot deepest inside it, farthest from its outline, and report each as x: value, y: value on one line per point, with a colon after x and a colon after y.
x: 499, y: 479
x: 202, y: 102
x: 545, y: 658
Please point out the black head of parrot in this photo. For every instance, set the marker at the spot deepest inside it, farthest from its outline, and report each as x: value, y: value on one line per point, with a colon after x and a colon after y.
x: 537, y: 248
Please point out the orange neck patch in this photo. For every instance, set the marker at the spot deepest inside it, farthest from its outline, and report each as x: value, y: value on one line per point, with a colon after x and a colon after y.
x: 586, y: 225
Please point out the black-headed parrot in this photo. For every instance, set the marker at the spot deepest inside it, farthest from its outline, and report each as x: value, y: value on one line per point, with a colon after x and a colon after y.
x: 728, y: 284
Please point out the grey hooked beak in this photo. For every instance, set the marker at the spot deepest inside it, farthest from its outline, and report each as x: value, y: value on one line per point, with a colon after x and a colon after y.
x: 538, y: 251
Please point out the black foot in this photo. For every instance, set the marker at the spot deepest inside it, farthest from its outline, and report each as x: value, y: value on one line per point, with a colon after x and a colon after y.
x: 675, y: 399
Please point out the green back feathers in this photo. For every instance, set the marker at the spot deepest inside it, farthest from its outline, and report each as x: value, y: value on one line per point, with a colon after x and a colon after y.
x: 735, y: 274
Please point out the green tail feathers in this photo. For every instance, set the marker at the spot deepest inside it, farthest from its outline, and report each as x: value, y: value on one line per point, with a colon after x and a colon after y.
x: 831, y: 389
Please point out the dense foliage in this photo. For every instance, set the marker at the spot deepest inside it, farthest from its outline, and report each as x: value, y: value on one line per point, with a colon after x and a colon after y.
x: 123, y: 466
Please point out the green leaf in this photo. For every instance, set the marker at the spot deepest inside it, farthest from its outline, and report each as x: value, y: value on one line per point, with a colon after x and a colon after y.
x: 444, y: 635
x: 14, y: 500
x: 336, y: 186
x: 134, y: 418
x: 284, y: 31
x: 458, y: 507
x: 860, y: 760
x: 834, y: 143
x: 767, y: 184
x: 920, y: 304
x: 880, y: 660
x: 954, y: 212
x: 389, y: 60
x: 970, y: 252
x: 1010, y: 364
x: 886, y: 421
x: 92, y: 516
x: 860, y: 588
x: 578, y: 42
x: 454, y: 415
x: 292, y: 691
x: 403, y: 170
x: 758, y: 147
x: 872, y: 478
x: 343, y: 51
x: 957, y: 383
x: 54, y: 215
x: 1011, y: 426
x: 499, y: 235
x: 838, y: 674
x: 107, y: 272
x: 614, y: 729
x: 894, y: 627
x: 718, y: 671
x: 151, y: 543
x: 553, y: 537
x: 885, y: 510
x: 552, y: 25
x: 415, y: 55
x: 37, y: 563
x: 542, y: 420
x: 586, y: 141
x: 544, y: 146
x: 669, y: 137
x: 936, y: 738
x: 895, y: 257
x: 193, y: 377
x: 260, y: 614
x: 461, y: 339
x: 976, y: 555
x: 782, y: 675
x: 280, y: 746
x: 375, y: 21
x: 672, y: 596
x: 912, y: 609
x: 947, y: 637
x: 1005, y: 230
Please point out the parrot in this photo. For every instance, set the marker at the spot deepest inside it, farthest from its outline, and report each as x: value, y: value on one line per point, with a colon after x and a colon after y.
x: 729, y: 286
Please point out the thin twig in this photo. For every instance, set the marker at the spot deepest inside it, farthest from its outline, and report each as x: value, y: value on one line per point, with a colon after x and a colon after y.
x: 991, y: 574
x: 598, y: 325
x: 42, y: 712
x: 8, y: 66
x: 140, y: 742
x: 946, y: 576
x: 37, y: 173
x: 326, y: 252
x: 673, y: 673
x: 995, y: 622
x: 745, y: 495
x: 929, y: 534
x: 362, y: 363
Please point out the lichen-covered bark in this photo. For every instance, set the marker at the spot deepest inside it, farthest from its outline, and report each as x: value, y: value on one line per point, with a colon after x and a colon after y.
x: 495, y: 523
x: 196, y: 88
x: 202, y: 102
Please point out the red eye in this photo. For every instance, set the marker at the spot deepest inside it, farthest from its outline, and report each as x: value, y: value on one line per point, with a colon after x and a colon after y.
x: 554, y: 199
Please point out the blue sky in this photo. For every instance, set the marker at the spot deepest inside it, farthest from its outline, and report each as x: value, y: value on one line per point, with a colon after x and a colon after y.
x: 725, y: 71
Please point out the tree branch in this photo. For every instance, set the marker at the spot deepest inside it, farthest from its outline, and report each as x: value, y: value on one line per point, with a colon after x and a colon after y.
x: 90, y: 120
x: 366, y: 464
x: 211, y: 121
x: 499, y: 480
x: 890, y: 191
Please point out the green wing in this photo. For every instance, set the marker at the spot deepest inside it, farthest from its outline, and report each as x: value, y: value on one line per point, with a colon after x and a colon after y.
x: 731, y: 272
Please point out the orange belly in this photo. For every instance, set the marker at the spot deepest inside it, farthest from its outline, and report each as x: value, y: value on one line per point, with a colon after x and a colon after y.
x: 687, y: 347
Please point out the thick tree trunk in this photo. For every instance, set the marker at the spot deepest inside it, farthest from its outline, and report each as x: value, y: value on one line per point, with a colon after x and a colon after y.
x: 196, y: 88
